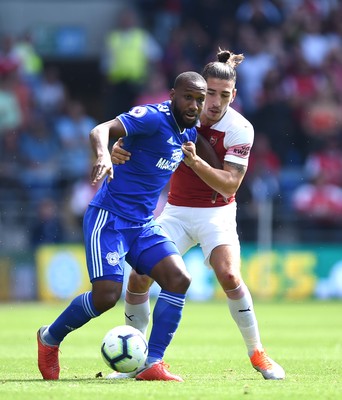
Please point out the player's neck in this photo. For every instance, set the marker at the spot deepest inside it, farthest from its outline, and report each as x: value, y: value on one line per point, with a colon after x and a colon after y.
x: 206, y: 122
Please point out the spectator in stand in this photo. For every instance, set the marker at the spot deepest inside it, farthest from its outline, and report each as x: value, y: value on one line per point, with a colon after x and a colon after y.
x: 263, y: 161
x: 322, y: 117
x: 318, y: 204
x: 76, y: 201
x: 30, y: 62
x: 50, y: 94
x: 315, y: 43
x: 39, y: 159
x: 253, y: 71
x: 326, y: 161
x: 22, y: 92
x: 10, y: 112
x: 260, y: 14
x: 318, y: 201
x: 161, y: 17
x: 332, y: 68
x: 130, y: 52
x: 189, y: 45
x: 10, y: 170
x: 156, y: 90
x: 274, y: 118
x: 47, y: 225
x: 72, y: 129
x: 301, y: 83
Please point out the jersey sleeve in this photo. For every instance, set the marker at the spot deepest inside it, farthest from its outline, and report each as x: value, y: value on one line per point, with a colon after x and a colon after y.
x: 238, y: 143
x: 140, y: 120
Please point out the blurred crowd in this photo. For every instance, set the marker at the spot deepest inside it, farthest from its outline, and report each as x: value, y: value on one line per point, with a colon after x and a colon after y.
x: 289, y: 87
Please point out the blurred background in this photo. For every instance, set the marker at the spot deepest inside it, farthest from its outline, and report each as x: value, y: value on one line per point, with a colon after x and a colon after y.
x: 66, y: 65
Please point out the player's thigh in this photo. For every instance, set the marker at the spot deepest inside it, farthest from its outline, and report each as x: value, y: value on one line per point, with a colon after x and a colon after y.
x: 171, y: 275
x: 216, y: 227
x: 176, y: 222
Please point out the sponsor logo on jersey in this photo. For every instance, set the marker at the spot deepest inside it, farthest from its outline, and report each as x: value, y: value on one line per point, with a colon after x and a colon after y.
x: 241, y: 150
x: 167, y: 164
x: 113, y: 258
x: 138, y: 111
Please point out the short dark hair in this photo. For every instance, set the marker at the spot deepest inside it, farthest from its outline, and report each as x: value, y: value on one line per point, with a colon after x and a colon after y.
x: 189, y: 76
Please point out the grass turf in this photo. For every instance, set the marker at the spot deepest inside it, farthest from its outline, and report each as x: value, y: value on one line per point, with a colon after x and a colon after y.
x: 207, y: 351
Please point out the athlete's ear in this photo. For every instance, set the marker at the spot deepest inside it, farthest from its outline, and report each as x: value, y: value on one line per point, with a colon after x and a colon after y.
x: 172, y: 93
x: 234, y: 95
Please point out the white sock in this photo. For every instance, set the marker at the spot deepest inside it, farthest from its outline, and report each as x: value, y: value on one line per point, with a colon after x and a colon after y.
x: 137, y: 310
x: 241, y: 308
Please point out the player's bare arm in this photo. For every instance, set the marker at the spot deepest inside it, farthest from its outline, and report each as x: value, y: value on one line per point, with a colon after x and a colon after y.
x: 226, y: 181
x: 99, y: 139
x: 118, y: 154
x: 203, y: 149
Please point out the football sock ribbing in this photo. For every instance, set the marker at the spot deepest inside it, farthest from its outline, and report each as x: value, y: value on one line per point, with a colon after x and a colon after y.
x: 79, y: 312
x: 166, y: 317
x: 241, y: 308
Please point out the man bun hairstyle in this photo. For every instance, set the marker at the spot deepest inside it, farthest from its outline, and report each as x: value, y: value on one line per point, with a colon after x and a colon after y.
x: 225, y: 67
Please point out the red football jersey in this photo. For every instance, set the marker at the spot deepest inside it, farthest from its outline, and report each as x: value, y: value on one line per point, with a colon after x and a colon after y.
x: 231, y: 138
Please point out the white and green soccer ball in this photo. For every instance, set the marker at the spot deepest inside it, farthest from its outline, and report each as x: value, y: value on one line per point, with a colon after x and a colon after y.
x: 124, y: 349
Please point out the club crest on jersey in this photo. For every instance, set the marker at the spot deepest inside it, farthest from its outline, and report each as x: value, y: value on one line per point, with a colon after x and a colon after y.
x: 177, y: 155
x: 138, y: 111
x: 113, y: 258
x: 213, y: 140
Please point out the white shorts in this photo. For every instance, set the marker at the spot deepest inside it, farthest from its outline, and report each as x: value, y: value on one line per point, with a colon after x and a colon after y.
x: 208, y: 227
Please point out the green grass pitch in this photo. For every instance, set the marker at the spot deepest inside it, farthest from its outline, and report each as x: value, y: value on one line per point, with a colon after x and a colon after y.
x: 304, y: 337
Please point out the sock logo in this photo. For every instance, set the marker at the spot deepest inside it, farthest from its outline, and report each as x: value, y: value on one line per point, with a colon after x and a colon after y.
x: 129, y: 316
x: 247, y: 309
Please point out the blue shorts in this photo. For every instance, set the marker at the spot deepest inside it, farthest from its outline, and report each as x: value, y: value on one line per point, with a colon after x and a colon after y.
x: 111, y: 240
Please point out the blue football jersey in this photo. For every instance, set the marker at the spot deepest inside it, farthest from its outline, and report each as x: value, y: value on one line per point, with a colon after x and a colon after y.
x: 154, y: 140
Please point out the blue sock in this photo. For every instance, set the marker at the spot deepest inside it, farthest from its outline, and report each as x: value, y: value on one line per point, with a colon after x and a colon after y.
x: 166, y: 317
x: 79, y: 312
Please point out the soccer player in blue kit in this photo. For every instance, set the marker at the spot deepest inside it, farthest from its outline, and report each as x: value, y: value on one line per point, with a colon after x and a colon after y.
x: 118, y: 224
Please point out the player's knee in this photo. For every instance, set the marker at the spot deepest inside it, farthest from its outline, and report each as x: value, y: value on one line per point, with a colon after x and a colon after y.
x: 185, y: 281
x: 179, y: 283
x: 104, y: 300
x: 228, y: 279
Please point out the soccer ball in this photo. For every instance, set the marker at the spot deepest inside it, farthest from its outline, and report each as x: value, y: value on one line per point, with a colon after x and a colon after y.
x: 124, y: 349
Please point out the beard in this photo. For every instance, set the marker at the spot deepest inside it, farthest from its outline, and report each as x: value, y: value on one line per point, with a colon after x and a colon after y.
x: 179, y: 117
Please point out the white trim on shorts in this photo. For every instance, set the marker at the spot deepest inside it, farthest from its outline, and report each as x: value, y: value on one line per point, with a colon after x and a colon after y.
x: 209, y: 227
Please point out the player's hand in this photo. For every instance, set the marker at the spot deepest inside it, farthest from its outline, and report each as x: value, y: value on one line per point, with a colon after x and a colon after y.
x: 189, y: 149
x: 118, y: 154
x: 103, y: 166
